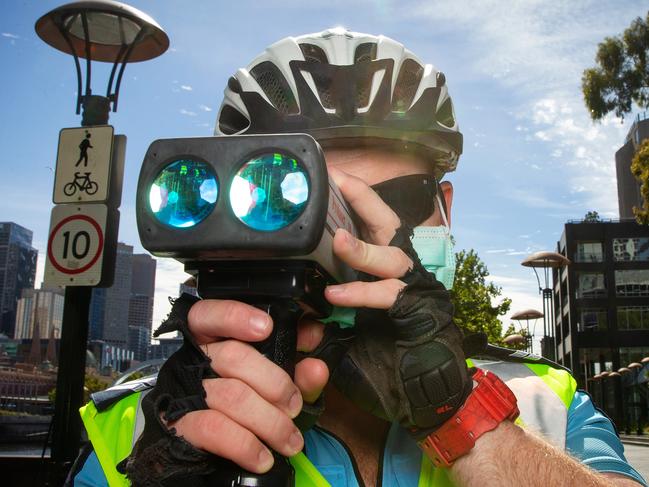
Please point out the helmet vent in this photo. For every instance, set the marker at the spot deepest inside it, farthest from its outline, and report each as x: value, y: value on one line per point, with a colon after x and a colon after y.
x: 406, y: 86
x: 231, y: 121
x: 313, y: 53
x: 445, y: 114
x: 274, y: 85
x: 365, y: 52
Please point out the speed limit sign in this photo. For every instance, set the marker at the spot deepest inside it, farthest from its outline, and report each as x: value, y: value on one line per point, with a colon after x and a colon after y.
x: 76, y: 245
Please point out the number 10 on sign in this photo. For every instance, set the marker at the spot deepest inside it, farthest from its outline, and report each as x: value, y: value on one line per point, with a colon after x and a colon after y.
x: 75, y: 247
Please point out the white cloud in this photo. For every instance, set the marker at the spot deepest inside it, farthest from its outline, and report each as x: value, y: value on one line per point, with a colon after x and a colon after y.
x: 169, y: 275
x: 186, y: 87
x: 205, y: 108
x: 9, y: 35
x: 534, y: 199
x: 537, y: 51
x: 189, y: 113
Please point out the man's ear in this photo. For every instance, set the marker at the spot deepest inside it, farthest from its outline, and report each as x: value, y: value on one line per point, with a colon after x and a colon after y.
x: 447, y: 194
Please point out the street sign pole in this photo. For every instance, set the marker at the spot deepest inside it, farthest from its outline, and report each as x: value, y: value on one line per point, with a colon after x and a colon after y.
x: 80, y: 256
x: 88, y: 30
x: 70, y: 379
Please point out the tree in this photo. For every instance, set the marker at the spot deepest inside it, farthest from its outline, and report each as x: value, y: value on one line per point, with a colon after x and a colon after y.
x: 592, y: 217
x: 472, y: 297
x: 622, y: 74
x: 640, y: 169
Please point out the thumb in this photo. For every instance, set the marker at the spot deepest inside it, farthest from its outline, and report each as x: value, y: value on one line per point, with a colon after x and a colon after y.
x: 311, y: 376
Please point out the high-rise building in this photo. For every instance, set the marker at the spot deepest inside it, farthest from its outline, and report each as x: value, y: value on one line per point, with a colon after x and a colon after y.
x: 127, y: 304
x: 628, y: 187
x: 42, y: 306
x: 17, y: 271
x: 109, y: 306
x: 140, y: 310
x: 142, y: 291
x: 139, y: 339
x: 601, y: 305
x: 601, y: 300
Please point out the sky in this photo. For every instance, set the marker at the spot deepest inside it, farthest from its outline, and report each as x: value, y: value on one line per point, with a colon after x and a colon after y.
x: 532, y: 157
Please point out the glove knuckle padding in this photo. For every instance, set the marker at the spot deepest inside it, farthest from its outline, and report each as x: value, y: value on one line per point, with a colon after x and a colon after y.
x: 407, y: 365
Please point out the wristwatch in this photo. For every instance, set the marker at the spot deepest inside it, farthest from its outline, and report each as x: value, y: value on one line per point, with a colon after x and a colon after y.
x: 490, y: 403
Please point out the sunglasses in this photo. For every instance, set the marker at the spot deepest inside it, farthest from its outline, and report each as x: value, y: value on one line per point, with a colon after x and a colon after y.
x: 412, y: 197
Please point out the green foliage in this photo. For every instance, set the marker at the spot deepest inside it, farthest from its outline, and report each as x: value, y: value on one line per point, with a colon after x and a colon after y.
x: 592, y: 217
x: 473, y: 298
x: 622, y: 74
x: 640, y: 169
x: 92, y: 383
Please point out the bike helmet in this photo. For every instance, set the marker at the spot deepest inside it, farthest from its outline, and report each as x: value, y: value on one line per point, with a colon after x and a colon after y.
x: 345, y: 88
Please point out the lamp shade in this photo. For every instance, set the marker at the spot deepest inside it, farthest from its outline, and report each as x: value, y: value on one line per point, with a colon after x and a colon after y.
x: 109, y: 25
x: 545, y: 259
x: 528, y: 314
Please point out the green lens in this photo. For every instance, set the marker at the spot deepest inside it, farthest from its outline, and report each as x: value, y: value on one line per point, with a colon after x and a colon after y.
x: 184, y: 193
x: 269, y: 191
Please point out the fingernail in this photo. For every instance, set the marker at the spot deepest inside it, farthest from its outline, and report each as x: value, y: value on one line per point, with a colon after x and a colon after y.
x: 265, y: 460
x: 259, y: 324
x: 335, y: 289
x: 295, y: 441
x: 295, y: 404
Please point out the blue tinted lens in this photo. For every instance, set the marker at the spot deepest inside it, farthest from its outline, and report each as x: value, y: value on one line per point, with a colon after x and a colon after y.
x: 184, y: 193
x: 269, y: 191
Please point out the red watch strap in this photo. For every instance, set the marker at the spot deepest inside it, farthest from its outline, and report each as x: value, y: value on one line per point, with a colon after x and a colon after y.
x: 489, y: 404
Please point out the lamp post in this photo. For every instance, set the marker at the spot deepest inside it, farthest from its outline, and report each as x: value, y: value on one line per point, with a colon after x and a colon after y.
x: 546, y: 261
x: 527, y: 315
x: 105, y: 31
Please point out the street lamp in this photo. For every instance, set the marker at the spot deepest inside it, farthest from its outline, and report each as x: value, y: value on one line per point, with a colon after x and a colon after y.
x: 101, y: 30
x: 527, y: 315
x: 105, y: 31
x: 546, y: 260
x: 514, y: 339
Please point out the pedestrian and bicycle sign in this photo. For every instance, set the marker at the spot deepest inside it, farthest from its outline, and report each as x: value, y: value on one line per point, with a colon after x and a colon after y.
x: 83, y: 164
x: 76, y: 245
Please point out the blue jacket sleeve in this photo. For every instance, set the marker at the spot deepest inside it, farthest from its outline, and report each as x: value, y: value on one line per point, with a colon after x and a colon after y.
x: 90, y: 473
x: 591, y: 437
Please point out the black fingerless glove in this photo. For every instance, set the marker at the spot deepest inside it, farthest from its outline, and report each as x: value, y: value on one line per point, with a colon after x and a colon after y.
x: 407, y: 365
x: 160, y: 458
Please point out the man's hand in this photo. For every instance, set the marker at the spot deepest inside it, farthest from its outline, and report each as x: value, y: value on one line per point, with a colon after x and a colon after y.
x: 373, y: 255
x: 253, y: 401
x: 218, y: 395
x: 406, y: 363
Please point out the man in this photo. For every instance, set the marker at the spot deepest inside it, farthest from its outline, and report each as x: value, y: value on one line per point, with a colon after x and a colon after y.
x: 401, y: 380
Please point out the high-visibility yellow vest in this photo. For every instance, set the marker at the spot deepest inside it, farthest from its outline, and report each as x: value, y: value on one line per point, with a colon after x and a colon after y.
x: 544, y: 396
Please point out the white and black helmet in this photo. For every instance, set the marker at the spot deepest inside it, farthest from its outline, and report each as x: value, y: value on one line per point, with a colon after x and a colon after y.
x: 345, y: 88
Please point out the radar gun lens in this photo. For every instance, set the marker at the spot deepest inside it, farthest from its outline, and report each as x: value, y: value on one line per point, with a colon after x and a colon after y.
x: 183, y: 193
x: 269, y: 192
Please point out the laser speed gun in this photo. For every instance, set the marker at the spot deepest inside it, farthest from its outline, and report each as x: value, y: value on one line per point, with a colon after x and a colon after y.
x: 253, y: 218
